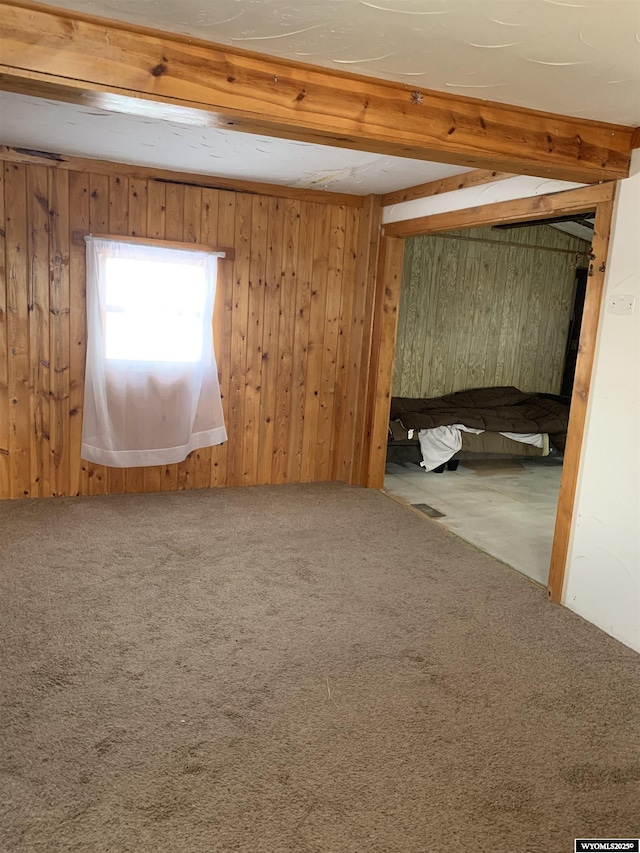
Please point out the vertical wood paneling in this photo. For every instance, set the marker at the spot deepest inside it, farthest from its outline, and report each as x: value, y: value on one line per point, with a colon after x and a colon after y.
x: 222, y: 326
x: 97, y: 475
x: 38, y: 303
x: 476, y: 314
x: 366, y: 271
x: 271, y: 321
x: 254, y: 337
x: 317, y: 313
x: 322, y: 469
x: 238, y: 354
x: 489, y: 351
x: 512, y: 300
x: 388, y: 288
x: 444, y: 290
x: 456, y: 296
x: 423, y: 343
x: 59, y: 331
x: 417, y: 341
x: 292, y: 329
x: 301, y: 342
x: 5, y: 474
x: 532, y: 324
x: 462, y: 346
x: 79, y: 226
x: 407, y: 303
x: 284, y: 341
x: 343, y: 401
x: 17, y: 330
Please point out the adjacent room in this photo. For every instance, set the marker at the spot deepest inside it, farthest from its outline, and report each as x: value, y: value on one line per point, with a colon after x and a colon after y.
x: 237, y: 239
x: 497, y: 310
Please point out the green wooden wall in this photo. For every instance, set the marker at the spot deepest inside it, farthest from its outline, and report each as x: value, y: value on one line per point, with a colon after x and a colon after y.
x: 476, y: 314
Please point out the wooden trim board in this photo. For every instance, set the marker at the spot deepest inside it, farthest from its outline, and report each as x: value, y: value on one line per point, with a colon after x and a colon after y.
x: 383, y: 343
x: 580, y: 397
x: 445, y: 185
x: 98, y: 62
x: 164, y: 176
x: 598, y: 198
x: 366, y: 269
x: 225, y: 254
x: 518, y: 210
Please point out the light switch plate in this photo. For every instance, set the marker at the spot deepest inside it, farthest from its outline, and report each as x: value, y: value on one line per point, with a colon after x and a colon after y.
x: 622, y: 303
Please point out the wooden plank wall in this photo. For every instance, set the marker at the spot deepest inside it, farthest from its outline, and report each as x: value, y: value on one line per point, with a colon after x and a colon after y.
x: 291, y: 330
x: 476, y: 314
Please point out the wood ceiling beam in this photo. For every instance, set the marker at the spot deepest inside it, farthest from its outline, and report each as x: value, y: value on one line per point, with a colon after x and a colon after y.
x: 445, y: 185
x: 517, y: 210
x: 47, y: 52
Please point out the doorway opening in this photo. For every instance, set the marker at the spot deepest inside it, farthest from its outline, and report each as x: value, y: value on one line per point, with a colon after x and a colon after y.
x: 488, y: 311
x: 387, y: 306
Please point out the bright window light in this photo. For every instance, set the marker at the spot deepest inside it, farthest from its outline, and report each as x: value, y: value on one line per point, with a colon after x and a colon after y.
x: 152, y: 394
x: 154, y: 311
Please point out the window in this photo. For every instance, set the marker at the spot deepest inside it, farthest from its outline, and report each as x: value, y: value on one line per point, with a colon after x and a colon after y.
x: 151, y: 386
x: 154, y: 310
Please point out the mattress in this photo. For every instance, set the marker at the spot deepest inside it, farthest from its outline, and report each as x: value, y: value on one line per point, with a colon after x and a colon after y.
x: 495, y: 442
x: 443, y: 443
x: 484, y: 442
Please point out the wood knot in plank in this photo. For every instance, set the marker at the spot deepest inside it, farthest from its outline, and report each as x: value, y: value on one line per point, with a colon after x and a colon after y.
x: 159, y: 70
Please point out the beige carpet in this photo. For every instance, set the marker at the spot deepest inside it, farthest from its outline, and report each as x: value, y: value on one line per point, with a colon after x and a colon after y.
x: 296, y: 668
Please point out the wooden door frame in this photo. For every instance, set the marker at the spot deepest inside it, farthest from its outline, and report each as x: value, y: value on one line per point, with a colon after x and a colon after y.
x: 598, y: 198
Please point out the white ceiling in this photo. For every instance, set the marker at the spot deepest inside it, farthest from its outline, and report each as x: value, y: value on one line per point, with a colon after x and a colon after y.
x: 576, y: 57
x: 89, y: 132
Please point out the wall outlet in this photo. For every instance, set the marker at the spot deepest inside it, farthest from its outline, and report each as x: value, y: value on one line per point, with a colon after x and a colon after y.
x: 622, y: 303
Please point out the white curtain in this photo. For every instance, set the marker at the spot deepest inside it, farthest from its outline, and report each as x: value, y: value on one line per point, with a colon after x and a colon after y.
x: 151, y: 385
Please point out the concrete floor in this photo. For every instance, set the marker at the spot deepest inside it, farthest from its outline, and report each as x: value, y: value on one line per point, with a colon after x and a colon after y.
x: 505, y: 507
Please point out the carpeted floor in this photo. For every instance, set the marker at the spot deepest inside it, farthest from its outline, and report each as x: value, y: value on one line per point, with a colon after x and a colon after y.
x: 296, y: 668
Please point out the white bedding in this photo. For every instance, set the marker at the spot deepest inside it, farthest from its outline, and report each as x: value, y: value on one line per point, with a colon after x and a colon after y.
x: 440, y: 444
